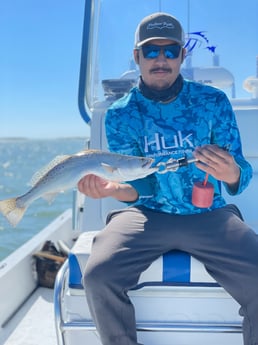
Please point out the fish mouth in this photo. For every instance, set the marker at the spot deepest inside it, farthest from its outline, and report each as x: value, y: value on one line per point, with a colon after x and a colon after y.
x: 148, y: 163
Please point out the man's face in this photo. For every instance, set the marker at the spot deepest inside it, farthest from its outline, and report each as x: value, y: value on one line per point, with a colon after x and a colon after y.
x: 161, y: 72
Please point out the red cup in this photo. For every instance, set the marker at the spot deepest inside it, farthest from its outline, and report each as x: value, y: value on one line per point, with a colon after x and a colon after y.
x: 202, y: 195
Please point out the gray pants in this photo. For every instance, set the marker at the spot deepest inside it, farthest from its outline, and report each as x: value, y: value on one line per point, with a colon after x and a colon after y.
x: 133, y: 238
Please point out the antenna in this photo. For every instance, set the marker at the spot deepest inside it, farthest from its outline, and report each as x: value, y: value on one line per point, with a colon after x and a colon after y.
x: 188, y: 17
x: 159, y: 5
x: 188, y: 60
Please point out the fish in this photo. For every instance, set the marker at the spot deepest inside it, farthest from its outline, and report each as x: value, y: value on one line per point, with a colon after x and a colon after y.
x: 64, y: 172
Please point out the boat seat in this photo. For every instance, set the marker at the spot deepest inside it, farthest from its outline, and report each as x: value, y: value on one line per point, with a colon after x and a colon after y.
x: 174, y: 298
x: 172, y: 268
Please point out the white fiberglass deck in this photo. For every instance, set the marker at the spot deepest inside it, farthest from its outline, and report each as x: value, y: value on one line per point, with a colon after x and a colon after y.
x: 34, y: 323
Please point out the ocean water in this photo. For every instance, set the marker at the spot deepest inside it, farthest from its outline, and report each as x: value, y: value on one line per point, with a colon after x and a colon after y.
x: 19, y: 160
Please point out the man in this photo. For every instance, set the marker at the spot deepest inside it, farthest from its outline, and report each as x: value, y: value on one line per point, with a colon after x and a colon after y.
x: 167, y: 117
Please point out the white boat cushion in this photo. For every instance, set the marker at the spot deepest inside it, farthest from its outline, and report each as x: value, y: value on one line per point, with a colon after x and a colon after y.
x: 172, y: 268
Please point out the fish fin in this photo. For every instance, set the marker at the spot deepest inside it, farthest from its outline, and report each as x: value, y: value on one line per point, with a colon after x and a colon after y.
x: 11, y: 211
x: 43, y: 171
x: 49, y: 197
x: 109, y: 168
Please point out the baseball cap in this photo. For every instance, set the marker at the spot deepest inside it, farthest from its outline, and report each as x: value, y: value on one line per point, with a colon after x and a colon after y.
x: 159, y: 26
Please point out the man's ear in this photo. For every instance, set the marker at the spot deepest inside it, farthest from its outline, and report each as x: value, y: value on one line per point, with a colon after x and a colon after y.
x: 136, y: 56
x: 183, y: 55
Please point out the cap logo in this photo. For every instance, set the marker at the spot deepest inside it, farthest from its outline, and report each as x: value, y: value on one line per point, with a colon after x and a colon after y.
x: 160, y: 26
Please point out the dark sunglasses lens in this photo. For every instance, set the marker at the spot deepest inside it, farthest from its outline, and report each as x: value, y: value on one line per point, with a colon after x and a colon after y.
x: 172, y: 52
x: 152, y: 51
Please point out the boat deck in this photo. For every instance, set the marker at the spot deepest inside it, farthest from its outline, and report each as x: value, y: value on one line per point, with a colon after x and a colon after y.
x: 34, y: 323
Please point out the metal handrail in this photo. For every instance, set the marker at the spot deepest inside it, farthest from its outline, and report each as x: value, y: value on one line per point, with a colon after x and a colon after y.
x: 164, y: 327
x: 83, y: 108
x: 58, y: 293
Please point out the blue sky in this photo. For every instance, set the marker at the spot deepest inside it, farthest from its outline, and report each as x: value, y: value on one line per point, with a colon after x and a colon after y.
x: 39, y: 68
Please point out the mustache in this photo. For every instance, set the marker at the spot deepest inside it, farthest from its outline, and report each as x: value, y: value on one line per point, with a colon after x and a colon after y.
x: 160, y: 69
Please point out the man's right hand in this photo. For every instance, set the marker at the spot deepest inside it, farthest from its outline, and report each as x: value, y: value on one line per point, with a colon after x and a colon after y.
x: 97, y: 187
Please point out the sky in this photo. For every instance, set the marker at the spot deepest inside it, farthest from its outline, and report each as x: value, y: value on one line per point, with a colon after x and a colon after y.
x: 39, y: 68
x: 41, y: 50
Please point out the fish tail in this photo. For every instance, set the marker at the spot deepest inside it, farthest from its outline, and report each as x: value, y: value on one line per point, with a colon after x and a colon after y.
x: 11, y: 211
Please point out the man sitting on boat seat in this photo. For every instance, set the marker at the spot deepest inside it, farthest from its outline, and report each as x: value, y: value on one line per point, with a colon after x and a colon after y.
x: 168, y: 117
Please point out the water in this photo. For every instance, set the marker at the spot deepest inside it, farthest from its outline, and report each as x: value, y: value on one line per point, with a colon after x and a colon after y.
x: 19, y: 160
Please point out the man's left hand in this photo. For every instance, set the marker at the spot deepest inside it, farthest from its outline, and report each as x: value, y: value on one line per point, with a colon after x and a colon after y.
x: 219, y: 163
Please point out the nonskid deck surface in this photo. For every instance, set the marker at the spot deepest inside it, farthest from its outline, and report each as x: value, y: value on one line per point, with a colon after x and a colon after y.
x: 34, y: 323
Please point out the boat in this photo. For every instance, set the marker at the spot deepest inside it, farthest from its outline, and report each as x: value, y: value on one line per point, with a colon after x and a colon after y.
x: 186, y: 307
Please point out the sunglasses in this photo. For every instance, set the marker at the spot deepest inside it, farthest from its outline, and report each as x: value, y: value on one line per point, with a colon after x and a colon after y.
x: 170, y: 51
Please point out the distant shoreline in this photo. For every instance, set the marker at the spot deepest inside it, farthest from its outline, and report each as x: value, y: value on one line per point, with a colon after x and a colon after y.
x: 52, y: 138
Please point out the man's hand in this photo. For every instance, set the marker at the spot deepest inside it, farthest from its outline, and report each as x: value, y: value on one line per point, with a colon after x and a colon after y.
x: 97, y: 187
x: 218, y: 163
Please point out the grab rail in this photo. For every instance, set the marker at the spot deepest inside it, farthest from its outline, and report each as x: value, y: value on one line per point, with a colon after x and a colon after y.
x: 163, y: 327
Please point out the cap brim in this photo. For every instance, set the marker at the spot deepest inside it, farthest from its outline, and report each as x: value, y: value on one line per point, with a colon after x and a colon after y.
x: 139, y: 44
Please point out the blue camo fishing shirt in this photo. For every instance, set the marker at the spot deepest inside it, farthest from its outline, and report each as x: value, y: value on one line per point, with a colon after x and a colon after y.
x: 199, y: 115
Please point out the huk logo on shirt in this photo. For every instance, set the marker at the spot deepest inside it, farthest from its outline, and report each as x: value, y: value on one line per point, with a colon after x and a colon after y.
x: 159, y: 142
